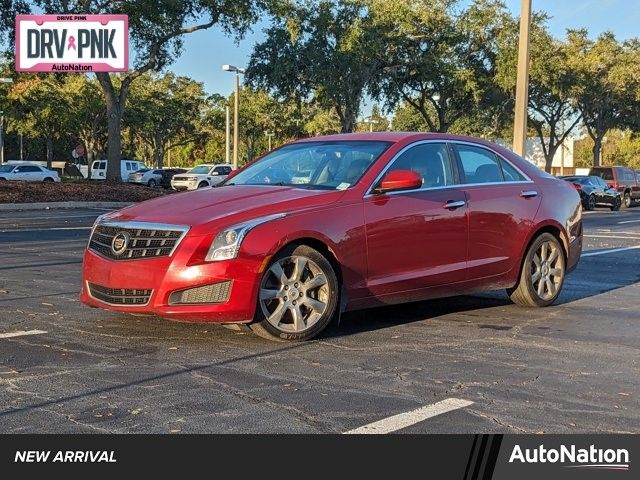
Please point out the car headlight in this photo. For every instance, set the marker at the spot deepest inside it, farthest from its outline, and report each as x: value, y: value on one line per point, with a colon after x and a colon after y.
x: 226, y: 244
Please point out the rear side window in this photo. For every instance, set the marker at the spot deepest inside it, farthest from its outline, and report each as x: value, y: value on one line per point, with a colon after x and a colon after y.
x: 604, y: 173
x: 430, y: 160
x: 510, y: 173
x: 628, y: 176
x: 479, y: 165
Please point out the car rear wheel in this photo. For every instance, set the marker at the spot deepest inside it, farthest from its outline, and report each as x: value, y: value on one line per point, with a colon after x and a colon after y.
x: 616, y: 204
x: 298, y: 296
x: 627, y: 200
x: 591, y: 202
x: 542, y: 274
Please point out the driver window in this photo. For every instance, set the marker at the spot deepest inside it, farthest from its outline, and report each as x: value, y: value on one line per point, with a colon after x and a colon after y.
x: 430, y: 160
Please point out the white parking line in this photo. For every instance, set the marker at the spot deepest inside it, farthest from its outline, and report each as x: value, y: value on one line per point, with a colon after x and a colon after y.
x: 21, y: 333
x: 628, y: 221
x: 403, y: 420
x: 613, y: 236
x: 54, y: 217
x: 613, y: 250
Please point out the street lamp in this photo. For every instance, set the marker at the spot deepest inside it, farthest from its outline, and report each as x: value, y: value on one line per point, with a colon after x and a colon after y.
x: 522, y: 82
x: 269, y: 135
x: 236, y: 108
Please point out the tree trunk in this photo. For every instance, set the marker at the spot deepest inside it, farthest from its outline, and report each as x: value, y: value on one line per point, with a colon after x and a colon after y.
x: 597, y: 149
x: 348, y: 121
x: 548, y: 157
x: 115, y: 110
x: 49, y: 152
x: 158, y: 153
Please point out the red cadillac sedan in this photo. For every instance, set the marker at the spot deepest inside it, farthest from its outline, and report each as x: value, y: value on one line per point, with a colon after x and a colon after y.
x: 336, y: 223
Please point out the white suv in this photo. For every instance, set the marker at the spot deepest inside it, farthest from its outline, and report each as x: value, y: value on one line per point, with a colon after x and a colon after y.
x: 207, y: 175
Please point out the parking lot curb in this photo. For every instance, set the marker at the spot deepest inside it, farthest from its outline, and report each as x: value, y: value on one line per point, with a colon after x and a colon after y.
x: 16, y: 207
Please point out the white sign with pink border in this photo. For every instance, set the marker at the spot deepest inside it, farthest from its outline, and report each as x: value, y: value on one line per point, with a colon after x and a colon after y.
x: 72, y: 43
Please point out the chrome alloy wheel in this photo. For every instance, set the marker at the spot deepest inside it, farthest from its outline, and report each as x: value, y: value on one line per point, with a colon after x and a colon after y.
x: 294, y: 294
x: 547, y: 270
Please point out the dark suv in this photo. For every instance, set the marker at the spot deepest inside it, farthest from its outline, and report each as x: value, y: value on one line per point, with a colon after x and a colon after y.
x: 623, y: 180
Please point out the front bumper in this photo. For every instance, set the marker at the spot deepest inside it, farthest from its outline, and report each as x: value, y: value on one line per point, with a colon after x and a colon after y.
x: 182, y: 185
x: 166, y: 275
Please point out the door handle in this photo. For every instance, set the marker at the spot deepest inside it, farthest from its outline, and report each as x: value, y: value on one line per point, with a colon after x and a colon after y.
x: 528, y: 193
x: 454, y: 204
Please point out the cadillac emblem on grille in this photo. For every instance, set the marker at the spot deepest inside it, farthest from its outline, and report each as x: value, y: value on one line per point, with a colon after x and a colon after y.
x: 120, y: 243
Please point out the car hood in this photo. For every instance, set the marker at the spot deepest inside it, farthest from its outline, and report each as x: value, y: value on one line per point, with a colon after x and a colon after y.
x: 224, y: 205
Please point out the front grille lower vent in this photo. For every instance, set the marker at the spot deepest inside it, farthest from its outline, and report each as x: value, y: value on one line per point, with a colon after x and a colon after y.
x: 120, y: 296
x: 129, y: 242
x: 213, y: 293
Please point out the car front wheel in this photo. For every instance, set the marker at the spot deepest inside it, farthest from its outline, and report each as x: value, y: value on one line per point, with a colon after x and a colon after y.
x: 203, y: 185
x: 48, y: 179
x: 542, y: 273
x: 151, y: 183
x: 591, y: 202
x: 298, y: 295
x: 616, y: 204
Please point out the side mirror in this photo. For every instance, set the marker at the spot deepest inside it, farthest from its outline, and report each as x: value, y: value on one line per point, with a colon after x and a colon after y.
x: 398, y: 180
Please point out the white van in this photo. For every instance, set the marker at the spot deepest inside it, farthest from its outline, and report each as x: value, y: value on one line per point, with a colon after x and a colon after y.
x: 99, y: 169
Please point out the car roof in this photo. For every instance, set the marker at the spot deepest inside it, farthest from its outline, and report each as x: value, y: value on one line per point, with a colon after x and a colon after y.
x: 213, y: 165
x: 393, y: 137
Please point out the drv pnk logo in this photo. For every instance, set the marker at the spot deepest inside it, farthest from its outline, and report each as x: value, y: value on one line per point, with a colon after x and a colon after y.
x: 72, y: 43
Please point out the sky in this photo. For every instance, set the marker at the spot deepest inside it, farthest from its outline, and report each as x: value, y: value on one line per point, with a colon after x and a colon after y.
x: 205, y: 52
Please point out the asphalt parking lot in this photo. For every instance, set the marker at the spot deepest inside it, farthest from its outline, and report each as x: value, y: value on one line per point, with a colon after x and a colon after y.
x: 573, y: 367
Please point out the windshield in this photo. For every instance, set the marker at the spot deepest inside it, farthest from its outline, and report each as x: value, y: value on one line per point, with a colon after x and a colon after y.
x: 333, y: 165
x: 6, y: 168
x: 201, y: 169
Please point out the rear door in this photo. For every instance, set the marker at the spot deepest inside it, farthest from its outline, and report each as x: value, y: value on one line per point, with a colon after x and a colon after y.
x: 417, y: 238
x: 502, y: 203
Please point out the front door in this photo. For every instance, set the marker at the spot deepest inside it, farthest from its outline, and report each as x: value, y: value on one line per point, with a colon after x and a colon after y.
x: 418, y: 238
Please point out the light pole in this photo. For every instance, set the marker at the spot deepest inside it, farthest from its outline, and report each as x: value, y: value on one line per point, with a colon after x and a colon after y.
x: 236, y: 108
x: 3, y: 80
x: 227, y: 145
x: 522, y: 82
x: 269, y: 135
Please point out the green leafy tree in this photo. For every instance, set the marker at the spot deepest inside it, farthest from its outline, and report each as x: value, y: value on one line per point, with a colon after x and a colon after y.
x: 552, y: 114
x: 440, y: 59
x: 164, y: 112
x: 608, y: 83
x: 326, y: 50
x: 39, y: 103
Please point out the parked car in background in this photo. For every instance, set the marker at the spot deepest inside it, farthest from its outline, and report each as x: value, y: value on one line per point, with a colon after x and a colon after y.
x: 28, y: 172
x: 206, y: 175
x: 146, y: 176
x: 594, y: 192
x: 623, y: 179
x: 168, y: 174
x: 99, y: 169
x: 336, y: 223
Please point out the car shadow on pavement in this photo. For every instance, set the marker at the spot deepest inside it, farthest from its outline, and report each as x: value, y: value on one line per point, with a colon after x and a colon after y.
x: 579, y: 285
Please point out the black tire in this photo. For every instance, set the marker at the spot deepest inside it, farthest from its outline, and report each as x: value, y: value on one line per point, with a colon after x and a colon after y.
x: 152, y: 183
x: 591, y: 203
x: 203, y: 185
x: 617, y: 203
x: 526, y: 293
x: 327, y: 295
x: 48, y: 179
x: 627, y: 200
x: 2, y: 179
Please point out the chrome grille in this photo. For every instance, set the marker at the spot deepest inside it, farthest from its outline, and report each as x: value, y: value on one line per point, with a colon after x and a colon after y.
x: 144, y: 240
x: 120, y: 296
